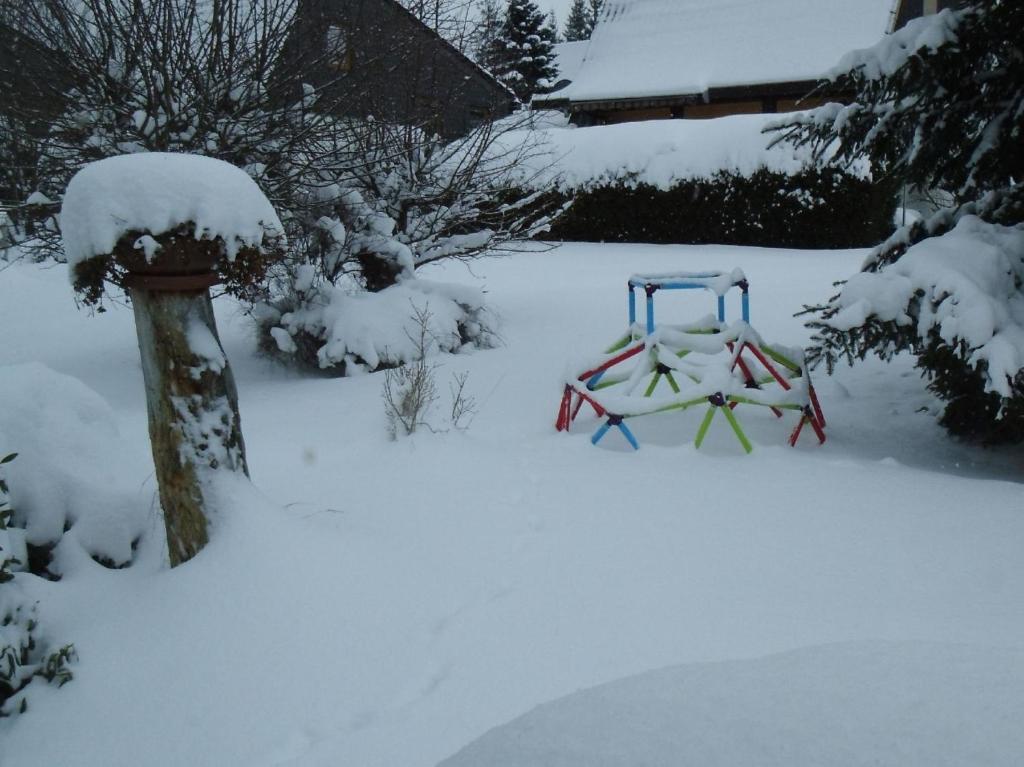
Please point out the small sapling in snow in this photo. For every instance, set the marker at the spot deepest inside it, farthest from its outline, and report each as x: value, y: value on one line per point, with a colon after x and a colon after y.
x: 410, y: 390
x: 463, y: 408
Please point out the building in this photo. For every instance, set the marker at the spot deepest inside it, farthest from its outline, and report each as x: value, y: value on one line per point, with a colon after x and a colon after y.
x: 658, y: 59
x: 382, y: 61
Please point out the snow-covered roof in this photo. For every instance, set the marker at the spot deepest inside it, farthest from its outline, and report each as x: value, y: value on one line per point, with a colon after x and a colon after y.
x: 569, y: 59
x: 154, y: 193
x: 657, y: 48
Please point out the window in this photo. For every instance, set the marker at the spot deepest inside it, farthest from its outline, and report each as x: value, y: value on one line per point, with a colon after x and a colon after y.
x: 338, y: 48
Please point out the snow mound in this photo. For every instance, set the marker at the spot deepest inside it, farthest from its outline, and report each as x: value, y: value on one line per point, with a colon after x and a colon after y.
x: 156, y: 192
x: 66, y: 476
x: 865, y: 703
x: 657, y: 152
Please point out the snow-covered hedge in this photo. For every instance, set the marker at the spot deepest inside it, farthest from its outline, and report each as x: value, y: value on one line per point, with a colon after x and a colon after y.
x: 657, y: 153
x: 698, y: 181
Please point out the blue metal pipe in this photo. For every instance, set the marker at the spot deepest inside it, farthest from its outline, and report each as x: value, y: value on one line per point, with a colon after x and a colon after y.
x: 682, y: 286
x: 628, y: 435
x: 600, y: 433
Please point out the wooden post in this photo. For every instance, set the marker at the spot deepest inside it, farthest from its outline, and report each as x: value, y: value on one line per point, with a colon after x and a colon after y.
x: 194, y: 425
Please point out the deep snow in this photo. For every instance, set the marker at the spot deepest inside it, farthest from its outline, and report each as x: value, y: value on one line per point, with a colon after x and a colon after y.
x: 382, y: 604
x: 844, y: 705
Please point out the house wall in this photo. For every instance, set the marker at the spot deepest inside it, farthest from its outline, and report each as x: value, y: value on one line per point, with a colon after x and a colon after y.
x: 697, y: 111
x: 395, y: 68
x: 29, y: 80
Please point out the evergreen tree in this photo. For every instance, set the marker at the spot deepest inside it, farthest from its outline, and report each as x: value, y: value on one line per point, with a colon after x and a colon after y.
x: 578, y: 26
x: 583, y: 17
x: 939, y: 105
x: 487, y: 32
x: 522, y: 57
x: 556, y: 36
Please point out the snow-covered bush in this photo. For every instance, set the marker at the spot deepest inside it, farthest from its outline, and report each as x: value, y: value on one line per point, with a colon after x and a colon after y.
x: 24, y: 655
x: 342, y: 331
x: 411, y: 200
x: 938, y: 105
x: 67, y: 491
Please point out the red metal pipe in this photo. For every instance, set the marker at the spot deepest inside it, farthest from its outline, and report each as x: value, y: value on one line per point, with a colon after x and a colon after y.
x: 612, y: 362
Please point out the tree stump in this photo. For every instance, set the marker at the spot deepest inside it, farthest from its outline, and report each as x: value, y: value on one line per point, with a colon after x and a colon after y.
x: 192, y: 402
x: 167, y: 227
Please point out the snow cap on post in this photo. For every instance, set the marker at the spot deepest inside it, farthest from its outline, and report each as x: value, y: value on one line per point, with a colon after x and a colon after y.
x: 131, y: 206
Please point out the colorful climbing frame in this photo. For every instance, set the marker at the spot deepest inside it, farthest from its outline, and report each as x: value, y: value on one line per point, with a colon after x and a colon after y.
x: 708, y: 362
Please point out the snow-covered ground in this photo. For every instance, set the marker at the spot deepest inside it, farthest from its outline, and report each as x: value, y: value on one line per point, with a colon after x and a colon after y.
x: 383, y: 604
x: 844, y: 705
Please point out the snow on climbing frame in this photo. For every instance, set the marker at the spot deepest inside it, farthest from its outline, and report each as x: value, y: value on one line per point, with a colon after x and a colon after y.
x: 708, y: 361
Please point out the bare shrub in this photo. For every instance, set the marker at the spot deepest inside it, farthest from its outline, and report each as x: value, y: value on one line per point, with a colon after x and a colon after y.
x: 410, y: 390
x: 463, y: 405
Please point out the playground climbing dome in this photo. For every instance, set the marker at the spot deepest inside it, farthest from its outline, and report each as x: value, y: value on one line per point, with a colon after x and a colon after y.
x: 660, y: 368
